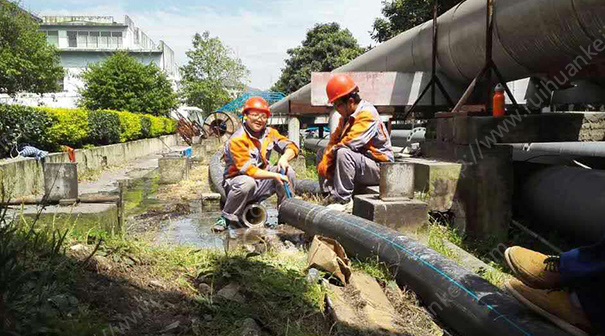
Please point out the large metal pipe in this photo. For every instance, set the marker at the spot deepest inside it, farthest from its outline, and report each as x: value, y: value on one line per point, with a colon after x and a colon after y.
x: 530, y: 38
x: 462, y: 300
x: 568, y: 199
x: 526, y: 151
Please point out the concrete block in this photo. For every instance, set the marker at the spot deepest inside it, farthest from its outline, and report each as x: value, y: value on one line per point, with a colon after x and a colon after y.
x: 81, y: 218
x: 294, y: 130
x: 200, y: 153
x: 174, y: 170
x: 401, y: 215
x: 61, y: 181
x: 211, y: 202
x: 396, y: 180
x: 436, y: 182
x: 212, y: 144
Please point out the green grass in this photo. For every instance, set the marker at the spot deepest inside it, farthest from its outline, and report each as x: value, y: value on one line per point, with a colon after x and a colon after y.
x: 439, y: 235
x: 374, y: 267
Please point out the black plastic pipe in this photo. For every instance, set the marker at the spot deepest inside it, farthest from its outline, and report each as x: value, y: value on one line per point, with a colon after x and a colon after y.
x: 568, y: 199
x: 462, y: 300
x: 217, y: 168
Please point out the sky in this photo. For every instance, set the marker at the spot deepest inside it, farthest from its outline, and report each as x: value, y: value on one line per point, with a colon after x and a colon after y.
x: 259, y: 32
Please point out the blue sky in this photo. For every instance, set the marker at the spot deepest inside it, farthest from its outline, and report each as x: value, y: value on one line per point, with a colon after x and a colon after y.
x: 259, y: 32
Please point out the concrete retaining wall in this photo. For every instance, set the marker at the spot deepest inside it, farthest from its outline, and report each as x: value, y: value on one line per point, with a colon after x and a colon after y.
x: 25, y: 176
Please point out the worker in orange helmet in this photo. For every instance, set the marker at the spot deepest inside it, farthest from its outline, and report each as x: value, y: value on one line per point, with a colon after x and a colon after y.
x: 356, y: 147
x: 248, y: 176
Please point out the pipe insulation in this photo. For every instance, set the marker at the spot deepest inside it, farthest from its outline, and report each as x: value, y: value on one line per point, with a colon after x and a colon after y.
x: 217, y: 168
x: 570, y: 200
x: 530, y: 38
x: 462, y: 300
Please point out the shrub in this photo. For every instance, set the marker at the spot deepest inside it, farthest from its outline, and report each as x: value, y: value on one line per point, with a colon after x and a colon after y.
x: 145, y: 126
x: 24, y: 125
x: 130, y: 126
x: 104, y: 127
x: 158, y: 126
x: 70, y: 126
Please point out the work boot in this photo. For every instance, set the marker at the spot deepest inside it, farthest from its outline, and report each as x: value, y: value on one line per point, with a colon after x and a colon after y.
x: 555, y: 305
x: 535, y: 269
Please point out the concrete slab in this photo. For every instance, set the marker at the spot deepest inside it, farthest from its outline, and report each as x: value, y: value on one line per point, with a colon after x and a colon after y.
x: 211, y: 202
x: 80, y: 218
x: 401, y: 215
x: 61, y: 181
x: 362, y: 308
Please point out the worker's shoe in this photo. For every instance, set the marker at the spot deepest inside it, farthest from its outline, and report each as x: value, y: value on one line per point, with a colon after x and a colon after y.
x: 535, y: 269
x: 220, y: 225
x: 346, y: 207
x: 555, y: 305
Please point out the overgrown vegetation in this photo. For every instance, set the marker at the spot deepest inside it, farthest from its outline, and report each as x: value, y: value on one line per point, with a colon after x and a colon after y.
x: 50, y: 128
x: 123, y: 83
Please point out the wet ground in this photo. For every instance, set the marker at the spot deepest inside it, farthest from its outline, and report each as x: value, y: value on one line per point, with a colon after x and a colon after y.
x: 177, y: 221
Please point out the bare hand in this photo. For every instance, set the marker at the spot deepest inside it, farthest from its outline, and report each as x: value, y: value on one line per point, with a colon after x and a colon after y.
x: 281, y: 179
x: 283, y: 164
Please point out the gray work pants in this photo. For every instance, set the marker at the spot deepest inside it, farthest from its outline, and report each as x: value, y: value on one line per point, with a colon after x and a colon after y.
x: 243, y: 189
x: 352, y: 170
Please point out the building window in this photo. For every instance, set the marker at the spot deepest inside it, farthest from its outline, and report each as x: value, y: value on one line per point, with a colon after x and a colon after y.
x: 104, y: 40
x: 116, y: 40
x: 93, y: 39
x: 72, y: 39
x: 82, y: 39
x: 52, y: 37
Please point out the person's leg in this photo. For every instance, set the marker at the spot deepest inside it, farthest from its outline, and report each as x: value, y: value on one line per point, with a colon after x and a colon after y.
x: 240, y: 190
x: 266, y: 188
x: 352, y: 168
x: 583, y: 269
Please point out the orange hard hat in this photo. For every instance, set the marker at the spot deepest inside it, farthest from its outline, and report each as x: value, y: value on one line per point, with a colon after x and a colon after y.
x: 339, y: 86
x: 257, y: 103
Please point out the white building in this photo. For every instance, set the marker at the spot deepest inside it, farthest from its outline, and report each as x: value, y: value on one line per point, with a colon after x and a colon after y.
x: 82, y: 40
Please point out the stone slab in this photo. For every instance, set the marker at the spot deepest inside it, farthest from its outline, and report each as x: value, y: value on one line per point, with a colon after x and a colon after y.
x: 396, y: 180
x: 401, y: 215
x: 80, y: 218
x: 174, y: 170
x: 362, y: 308
x: 61, y: 181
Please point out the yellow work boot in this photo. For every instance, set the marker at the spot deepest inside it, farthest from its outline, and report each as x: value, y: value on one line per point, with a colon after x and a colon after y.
x: 535, y: 269
x: 556, y: 306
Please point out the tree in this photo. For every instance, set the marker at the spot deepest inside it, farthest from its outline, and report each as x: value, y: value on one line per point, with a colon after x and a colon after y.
x: 212, y: 70
x: 402, y: 15
x: 27, y: 62
x: 122, y: 83
x: 325, y: 48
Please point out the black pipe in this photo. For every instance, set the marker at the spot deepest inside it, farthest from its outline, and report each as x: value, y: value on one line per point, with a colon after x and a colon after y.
x: 217, y: 168
x: 462, y: 300
x: 568, y: 199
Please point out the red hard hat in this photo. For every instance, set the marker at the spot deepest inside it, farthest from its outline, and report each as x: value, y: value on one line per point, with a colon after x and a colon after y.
x: 339, y: 86
x: 257, y: 103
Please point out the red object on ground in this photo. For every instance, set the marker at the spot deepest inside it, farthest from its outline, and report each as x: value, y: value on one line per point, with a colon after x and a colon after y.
x: 498, y: 102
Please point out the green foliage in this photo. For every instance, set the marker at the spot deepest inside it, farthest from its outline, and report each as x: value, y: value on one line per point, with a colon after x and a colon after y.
x: 49, y: 128
x: 27, y: 63
x: 145, y: 126
x: 325, y: 48
x: 23, y: 125
x: 211, y: 71
x: 402, y: 15
x: 123, y: 83
x: 104, y: 127
x: 70, y: 126
x: 130, y: 126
